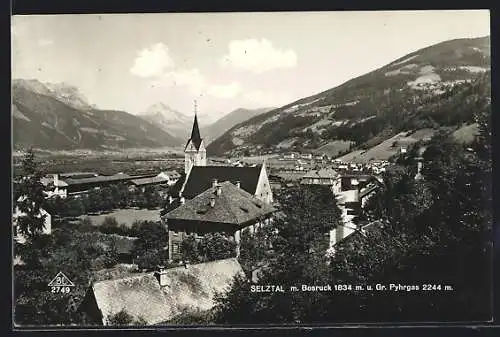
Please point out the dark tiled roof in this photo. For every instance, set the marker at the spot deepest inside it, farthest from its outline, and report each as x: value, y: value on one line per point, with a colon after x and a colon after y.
x: 148, y: 181
x: 368, y: 189
x: 77, y: 175
x: 200, y: 178
x: 173, y: 174
x: 232, y: 206
x: 98, y: 179
x: 195, y: 134
x: 328, y: 173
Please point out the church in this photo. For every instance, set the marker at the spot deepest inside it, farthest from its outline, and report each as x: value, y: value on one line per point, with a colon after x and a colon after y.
x: 198, y: 176
x: 224, y: 199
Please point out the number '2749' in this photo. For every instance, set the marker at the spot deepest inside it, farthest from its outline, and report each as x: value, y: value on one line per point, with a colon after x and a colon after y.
x: 62, y: 290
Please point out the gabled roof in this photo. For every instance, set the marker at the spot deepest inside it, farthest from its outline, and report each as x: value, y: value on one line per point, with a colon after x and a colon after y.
x: 327, y: 173
x: 368, y: 189
x: 200, y: 178
x: 195, y: 287
x: 195, y: 135
x: 139, y: 296
x: 232, y: 206
x: 148, y: 181
x: 116, y: 177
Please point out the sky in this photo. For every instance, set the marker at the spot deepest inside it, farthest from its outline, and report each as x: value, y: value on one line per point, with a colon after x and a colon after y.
x: 224, y: 61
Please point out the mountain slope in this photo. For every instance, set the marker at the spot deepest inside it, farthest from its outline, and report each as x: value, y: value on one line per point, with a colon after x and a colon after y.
x: 43, y: 121
x: 66, y: 93
x: 402, y: 95
x: 233, y: 118
x: 168, y: 119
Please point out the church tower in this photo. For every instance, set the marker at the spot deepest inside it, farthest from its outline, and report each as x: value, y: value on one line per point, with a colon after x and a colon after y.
x: 195, y: 153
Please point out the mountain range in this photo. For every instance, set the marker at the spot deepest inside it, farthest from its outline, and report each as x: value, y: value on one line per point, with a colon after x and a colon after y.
x: 58, y: 117
x: 179, y: 124
x: 441, y: 85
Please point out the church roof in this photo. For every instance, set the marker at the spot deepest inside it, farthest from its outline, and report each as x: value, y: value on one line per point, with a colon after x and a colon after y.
x: 200, y: 178
x: 195, y: 134
x: 232, y: 206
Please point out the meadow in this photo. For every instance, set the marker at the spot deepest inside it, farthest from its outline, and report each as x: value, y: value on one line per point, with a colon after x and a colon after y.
x: 126, y: 216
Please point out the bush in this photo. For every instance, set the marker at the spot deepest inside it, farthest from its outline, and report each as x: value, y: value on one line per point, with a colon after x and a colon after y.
x: 109, y: 225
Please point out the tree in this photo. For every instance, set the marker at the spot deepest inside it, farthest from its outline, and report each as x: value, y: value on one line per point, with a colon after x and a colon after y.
x: 31, y: 223
x: 298, y: 235
x: 216, y: 246
x: 150, y: 245
x: 121, y: 318
x: 189, y: 249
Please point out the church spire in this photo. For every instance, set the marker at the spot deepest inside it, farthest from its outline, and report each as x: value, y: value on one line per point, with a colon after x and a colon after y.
x: 195, y: 132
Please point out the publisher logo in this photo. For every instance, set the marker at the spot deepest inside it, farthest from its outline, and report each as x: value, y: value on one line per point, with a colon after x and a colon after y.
x: 60, y: 284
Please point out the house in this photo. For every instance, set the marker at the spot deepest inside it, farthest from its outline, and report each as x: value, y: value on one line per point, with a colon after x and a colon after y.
x: 160, y: 296
x: 324, y: 176
x: 74, y: 186
x: 140, y: 296
x: 222, y: 208
x: 47, y: 225
x: 199, y: 177
x: 351, y: 192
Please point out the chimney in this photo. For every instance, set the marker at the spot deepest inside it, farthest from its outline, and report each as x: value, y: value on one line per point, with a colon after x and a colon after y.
x: 214, y: 182
x: 218, y: 190
x: 238, y: 184
x: 183, y: 200
x: 212, y: 202
x: 161, y: 276
x: 56, y: 179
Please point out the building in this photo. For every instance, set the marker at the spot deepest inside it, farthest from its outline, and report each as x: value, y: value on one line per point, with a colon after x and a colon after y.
x: 140, y: 296
x: 199, y: 177
x: 253, y: 180
x: 352, y: 192
x: 222, y: 208
x: 47, y: 225
x: 75, y: 186
x: 324, y: 176
x: 195, y: 153
x: 160, y: 296
x: 165, y: 179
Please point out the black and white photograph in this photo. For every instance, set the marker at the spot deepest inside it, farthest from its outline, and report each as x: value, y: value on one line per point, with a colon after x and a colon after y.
x: 251, y: 169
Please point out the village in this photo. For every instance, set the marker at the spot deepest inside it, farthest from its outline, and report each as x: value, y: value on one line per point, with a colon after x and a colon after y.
x: 230, y: 198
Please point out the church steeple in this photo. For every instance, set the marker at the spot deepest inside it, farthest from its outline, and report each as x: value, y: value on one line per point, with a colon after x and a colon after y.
x: 194, y: 152
x: 195, y: 132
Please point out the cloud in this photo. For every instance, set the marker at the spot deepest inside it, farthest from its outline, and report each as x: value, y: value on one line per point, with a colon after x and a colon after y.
x: 267, y: 98
x: 192, y: 79
x: 196, y: 84
x: 257, y: 56
x: 45, y: 42
x: 225, y: 91
x: 152, y: 61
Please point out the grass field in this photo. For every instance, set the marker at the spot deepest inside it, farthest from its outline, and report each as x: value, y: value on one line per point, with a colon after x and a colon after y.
x: 387, y: 148
x: 127, y: 216
x: 333, y: 148
x: 466, y: 134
